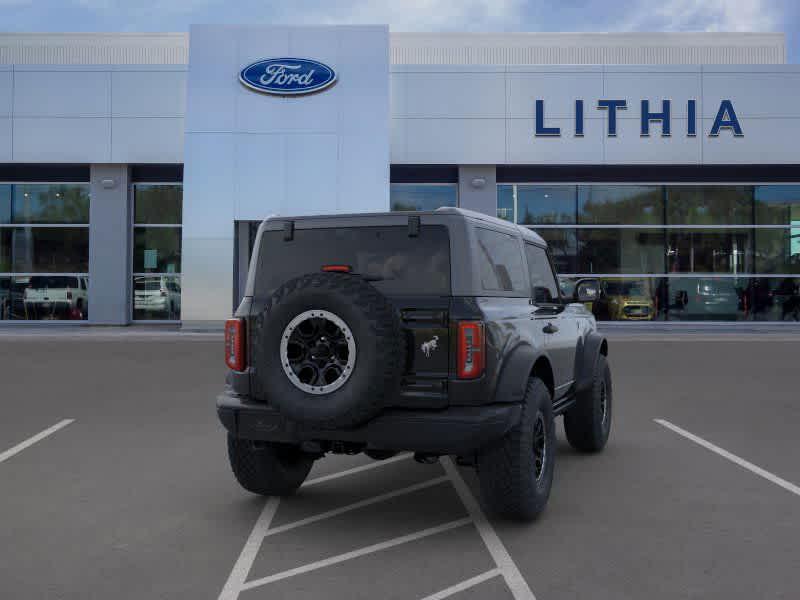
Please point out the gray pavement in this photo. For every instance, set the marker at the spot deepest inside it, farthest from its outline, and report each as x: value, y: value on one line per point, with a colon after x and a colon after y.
x: 134, y: 499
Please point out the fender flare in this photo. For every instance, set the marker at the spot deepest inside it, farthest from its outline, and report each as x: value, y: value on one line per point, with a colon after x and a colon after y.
x: 586, y: 360
x: 515, y: 372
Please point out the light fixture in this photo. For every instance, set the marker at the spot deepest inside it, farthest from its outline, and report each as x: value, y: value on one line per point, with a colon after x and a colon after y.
x: 478, y: 182
x: 108, y: 183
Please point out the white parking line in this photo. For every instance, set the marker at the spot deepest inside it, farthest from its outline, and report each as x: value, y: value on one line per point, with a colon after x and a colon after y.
x: 418, y: 535
x: 354, y: 470
x: 788, y: 486
x: 514, y: 579
x: 464, y: 585
x: 33, y: 439
x: 361, y: 504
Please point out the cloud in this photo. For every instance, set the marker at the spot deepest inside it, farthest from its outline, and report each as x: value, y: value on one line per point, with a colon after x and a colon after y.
x: 704, y: 15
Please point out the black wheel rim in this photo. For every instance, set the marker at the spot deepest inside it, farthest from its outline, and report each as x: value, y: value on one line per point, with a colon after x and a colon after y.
x: 539, y: 446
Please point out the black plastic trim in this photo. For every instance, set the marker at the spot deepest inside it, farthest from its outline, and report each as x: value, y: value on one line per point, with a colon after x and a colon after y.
x: 51, y: 173
x: 161, y: 173
x: 648, y: 173
x: 423, y: 174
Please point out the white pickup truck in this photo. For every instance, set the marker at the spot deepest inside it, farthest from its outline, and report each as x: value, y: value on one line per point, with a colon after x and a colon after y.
x: 56, y: 296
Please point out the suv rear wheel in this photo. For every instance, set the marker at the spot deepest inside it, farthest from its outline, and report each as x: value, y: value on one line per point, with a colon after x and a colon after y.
x: 268, y: 469
x: 588, y: 423
x: 516, y: 472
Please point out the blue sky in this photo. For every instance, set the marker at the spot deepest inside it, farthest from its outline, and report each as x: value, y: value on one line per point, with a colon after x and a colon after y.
x: 414, y: 15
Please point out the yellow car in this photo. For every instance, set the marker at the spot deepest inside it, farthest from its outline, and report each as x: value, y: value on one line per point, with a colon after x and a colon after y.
x: 625, y: 300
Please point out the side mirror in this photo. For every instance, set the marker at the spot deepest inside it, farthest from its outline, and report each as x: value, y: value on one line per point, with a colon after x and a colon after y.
x: 587, y: 290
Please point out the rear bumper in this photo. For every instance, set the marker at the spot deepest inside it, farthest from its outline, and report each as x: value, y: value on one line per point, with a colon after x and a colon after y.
x: 454, y: 430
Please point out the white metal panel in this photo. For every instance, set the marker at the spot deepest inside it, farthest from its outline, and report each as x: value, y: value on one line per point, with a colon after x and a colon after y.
x: 148, y: 93
x: 353, y: 178
x: 62, y: 93
x: 77, y: 140
x: 753, y: 94
x: 5, y: 139
x: 523, y: 147
x: 559, y: 90
x: 209, y: 183
x: 629, y: 148
x: 655, y: 85
x: 311, y: 174
x: 211, y: 88
x: 207, y: 280
x: 6, y: 88
x: 147, y: 140
x: 454, y: 95
x: 397, y: 142
x: 455, y: 141
x: 765, y: 141
x: 265, y: 154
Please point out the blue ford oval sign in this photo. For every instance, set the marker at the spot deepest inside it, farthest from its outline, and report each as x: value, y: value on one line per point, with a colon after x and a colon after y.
x: 287, y: 76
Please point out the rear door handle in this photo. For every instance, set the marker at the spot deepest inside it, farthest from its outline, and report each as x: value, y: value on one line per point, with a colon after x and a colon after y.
x: 550, y: 328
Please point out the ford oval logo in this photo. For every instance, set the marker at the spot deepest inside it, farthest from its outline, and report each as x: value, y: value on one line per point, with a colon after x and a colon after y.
x: 287, y: 76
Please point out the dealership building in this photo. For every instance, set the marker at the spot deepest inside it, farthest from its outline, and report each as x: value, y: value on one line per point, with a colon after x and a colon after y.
x: 135, y: 168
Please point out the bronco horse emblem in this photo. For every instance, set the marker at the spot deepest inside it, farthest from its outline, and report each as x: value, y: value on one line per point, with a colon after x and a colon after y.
x: 430, y: 346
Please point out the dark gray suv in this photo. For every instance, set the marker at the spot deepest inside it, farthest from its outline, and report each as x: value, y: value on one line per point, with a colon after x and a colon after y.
x: 439, y: 333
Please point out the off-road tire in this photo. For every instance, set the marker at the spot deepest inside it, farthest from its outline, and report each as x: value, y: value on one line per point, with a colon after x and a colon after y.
x: 268, y: 469
x: 587, y: 424
x: 380, y: 356
x: 507, y: 468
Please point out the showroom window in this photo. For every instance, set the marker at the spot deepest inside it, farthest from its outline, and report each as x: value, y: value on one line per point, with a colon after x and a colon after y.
x: 157, y: 216
x: 44, y: 251
x: 678, y: 252
x: 422, y: 196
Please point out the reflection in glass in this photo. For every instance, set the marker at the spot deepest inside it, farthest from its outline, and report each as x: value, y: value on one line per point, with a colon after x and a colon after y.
x: 777, y: 205
x: 563, y: 245
x: 157, y: 249
x: 621, y: 204
x: 418, y: 196
x: 778, y: 250
x: 158, y: 204
x: 710, y: 251
x: 505, y: 202
x: 709, y: 205
x: 156, y: 297
x: 620, y: 251
x: 45, y: 204
x: 44, y: 298
x: 707, y: 299
x: 540, y: 204
x: 44, y: 249
x: 629, y: 299
x: 775, y: 299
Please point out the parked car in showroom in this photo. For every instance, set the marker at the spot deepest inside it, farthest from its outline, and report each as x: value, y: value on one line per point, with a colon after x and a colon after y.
x: 56, y: 297
x: 440, y: 333
x: 156, y: 295
x: 623, y: 299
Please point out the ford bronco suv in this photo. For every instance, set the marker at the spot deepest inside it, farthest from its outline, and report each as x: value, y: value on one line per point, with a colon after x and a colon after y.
x: 439, y: 333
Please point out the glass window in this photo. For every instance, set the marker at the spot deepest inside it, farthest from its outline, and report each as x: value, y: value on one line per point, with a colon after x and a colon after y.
x: 157, y: 250
x: 707, y: 299
x: 544, y: 288
x: 777, y: 205
x: 630, y: 299
x: 563, y: 246
x: 709, y: 205
x: 157, y: 215
x: 5, y: 203
x: 500, y: 262
x: 710, y: 251
x: 620, y: 251
x: 44, y: 249
x: 45, y: 204
x: 394, y: 263
x: 158, y: 204
x: 538, y: 204
x: 505, y: 202
x: 156, y: 297
x: 44, y: 297
x: 778, y: 250
x: 620, y: 204
x: 422, y: 196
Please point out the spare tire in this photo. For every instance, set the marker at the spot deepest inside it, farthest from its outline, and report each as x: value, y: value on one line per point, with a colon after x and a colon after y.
x: 328, y: 350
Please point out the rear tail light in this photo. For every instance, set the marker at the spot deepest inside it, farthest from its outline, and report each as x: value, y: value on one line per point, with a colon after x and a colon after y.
x: 235, y: 344
x: 471, y: 349
x: 69, y: 294
x: 336, y: 268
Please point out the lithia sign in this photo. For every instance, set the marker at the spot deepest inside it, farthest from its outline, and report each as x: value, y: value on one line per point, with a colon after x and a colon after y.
x: 726, y: 119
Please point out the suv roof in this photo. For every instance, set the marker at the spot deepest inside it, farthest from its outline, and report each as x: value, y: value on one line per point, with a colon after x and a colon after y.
x: 387, y: 218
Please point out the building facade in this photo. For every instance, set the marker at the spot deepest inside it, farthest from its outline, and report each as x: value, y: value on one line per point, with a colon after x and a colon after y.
x: 134, y: 168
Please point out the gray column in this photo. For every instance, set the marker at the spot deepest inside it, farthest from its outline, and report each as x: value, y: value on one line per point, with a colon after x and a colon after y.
x: 109, y: 246
x: 477, y: 188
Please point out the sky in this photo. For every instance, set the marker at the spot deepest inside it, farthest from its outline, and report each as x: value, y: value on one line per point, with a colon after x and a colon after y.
x: 414, y: 15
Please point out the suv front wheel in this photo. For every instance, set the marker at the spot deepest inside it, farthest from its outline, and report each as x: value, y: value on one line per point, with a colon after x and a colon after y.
x: 268, y: 469
x: 516, y: 471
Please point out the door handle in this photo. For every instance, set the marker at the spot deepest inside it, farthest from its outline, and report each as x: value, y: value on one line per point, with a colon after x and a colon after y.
x: 550, y: 328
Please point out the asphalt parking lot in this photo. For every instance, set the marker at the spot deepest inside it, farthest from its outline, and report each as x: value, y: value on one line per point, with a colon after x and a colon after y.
x: 114, y: 483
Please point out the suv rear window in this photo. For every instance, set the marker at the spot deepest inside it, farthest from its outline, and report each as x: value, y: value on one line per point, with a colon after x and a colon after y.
x: 394, y: 263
